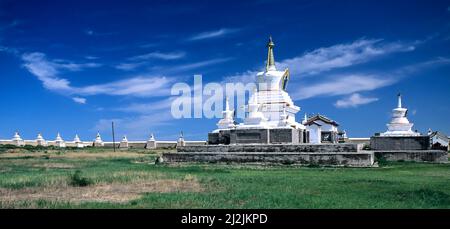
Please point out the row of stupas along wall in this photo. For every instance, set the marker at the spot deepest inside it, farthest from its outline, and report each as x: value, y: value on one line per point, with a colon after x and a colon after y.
x: 151, y: 143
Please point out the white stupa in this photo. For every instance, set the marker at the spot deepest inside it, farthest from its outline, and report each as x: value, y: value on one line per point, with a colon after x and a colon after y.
x: 98, y: 140
x: 59, y: 142
x: 270, y: 112
x: 78, y: 142
x: 152, y: 137
x: 271, y: 97
x: 40, y: 141
x: 305, y: 119
x: 227, y: 121
x: 17, y: 140
x: 399, y: 125
x: 151, y: 142
x: 124, y: 142
x: 76, y: 139
x: 181, y: 141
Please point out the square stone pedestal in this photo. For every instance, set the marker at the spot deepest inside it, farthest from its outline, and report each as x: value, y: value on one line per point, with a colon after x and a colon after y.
x: 257, y: 136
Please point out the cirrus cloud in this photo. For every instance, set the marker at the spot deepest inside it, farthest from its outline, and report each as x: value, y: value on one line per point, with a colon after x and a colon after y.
x: 48, y: 72
x: 213, y: 34
x: 354, y: 100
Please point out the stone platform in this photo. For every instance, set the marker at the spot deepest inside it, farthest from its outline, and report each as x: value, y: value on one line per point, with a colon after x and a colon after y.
x: 302, y: 154
x: 274, y: 148
x: 406, y: 148
x: 365, y: 159
x: 434, y: 156
x: 399, y: 143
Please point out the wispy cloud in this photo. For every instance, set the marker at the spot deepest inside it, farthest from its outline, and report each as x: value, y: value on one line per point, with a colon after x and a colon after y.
x: 342, y: 85
x: 331, y: 58
x: 9, y: 50
x: 49, y: 73
x: 342, y: 55
x: 354, y: 100
x: 213, y: 34
x: 129, y: 66
x: 149, y: 45
x: 351, y: 83
x: 56, y: 64
x: 140, y: 60
x: 159, y: 55
x: 92, y: 57
x: 417, y: 67
x: 91, y: 32
x: 46, y: 71
x: 140, y: 86
x: 79, y: 100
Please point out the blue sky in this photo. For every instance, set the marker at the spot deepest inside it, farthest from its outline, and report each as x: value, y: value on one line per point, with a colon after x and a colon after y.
x: 75, y: 66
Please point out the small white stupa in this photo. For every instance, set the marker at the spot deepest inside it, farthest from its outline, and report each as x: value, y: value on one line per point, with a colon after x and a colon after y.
x: 78, y: 142
x: 227, y: 121
x: 124, y: 142
x: 151, y: 142
x: 17, y: 140
x: 399, y: 125
x: 305, y: 119
x: 59, y: 142
x: 40, y: 141
x: 98, y: 140
x: 181, y: 141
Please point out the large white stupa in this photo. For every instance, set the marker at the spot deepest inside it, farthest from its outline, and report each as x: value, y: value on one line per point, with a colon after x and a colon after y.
x: 270, y: 112
x: 271, y: 97
x: 399, y: 125
x: 269, y: 106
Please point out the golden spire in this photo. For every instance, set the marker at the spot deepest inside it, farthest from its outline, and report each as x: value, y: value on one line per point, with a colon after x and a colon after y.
x: 270, y: 65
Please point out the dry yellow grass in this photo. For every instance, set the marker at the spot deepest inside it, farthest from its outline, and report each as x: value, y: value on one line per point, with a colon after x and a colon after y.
x: 113, y: 192
x: 54, y: 166
x: 72, y: 155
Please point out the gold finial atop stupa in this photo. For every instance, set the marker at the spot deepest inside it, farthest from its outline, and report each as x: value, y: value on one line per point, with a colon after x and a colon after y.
x: 270, y: 65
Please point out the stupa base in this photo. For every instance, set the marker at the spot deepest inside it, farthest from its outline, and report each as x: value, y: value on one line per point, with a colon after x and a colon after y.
x: 257, y: 136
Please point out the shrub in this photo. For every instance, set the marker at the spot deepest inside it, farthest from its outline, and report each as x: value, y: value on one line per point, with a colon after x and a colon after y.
x: 34, y: 148
x: 4, y: 148
x: 77, y: 179
x: 381, y: 161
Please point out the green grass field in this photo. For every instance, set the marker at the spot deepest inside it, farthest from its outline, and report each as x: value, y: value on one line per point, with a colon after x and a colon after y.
x: 99, y: 178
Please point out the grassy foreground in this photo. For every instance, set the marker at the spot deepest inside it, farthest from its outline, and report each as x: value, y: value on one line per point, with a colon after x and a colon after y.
x: 99, y: 178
